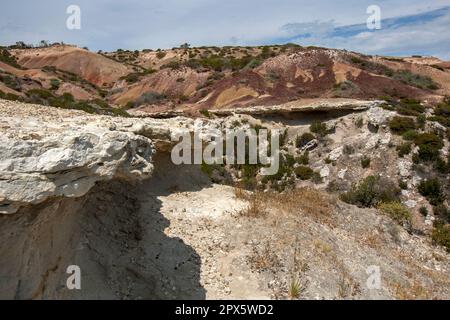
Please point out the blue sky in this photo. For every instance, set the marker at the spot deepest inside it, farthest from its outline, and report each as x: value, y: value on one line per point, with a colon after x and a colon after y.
x: 408, y: 26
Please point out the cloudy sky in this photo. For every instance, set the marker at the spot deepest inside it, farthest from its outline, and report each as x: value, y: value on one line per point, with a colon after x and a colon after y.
x: 408, y: 26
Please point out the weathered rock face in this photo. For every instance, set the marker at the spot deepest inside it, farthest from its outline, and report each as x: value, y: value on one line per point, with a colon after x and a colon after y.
x: 46, y: 152
x: 40, y: 160
x: 322, y: 105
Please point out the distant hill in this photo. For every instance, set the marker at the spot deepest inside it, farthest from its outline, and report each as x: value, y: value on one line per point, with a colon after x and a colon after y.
x: 192, y: 79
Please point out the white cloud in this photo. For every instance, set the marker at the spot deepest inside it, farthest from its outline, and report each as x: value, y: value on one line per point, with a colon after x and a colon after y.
x: 135, y: 24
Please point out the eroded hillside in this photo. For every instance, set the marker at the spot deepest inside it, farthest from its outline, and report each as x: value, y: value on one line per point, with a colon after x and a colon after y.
x: 192, y: 80
x: 361, y: 184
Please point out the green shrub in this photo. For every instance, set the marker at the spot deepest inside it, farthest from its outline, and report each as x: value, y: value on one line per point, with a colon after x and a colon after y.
x: 443, y: 109
x: 399, y: 125
x: 442, y: 166
x: 319, y: 128
x: 365, y: 162
x: 136, y: 76
x: 415, y: 80
x: 429, y: 145
x: 348, y: 149
x: 209, y: 168
x: 40, y: 96
x: 396, y: 210
x: 161, y: 54
x: 442, y: 212
x: 304, y: 173
x: 205, y: 113
x: 410, y: 135
x: 150, y: 98
x: 11, y: 81
x: 304, y: 158
x: 371, y: 191
x: 441, y: 235
x: 184, y: 98
x: 8, y: 96
x: 359, y: 122
x: 445, y: 121
x: 404, y: 149
x: 423, y: 211
x: 129, y: 105
x: 174, y: 65
x: 432, y: 190
x: 7, y: 58
x: 253, y: 64
x: 55, y: 83
x: 410, y: 107
x: 272, y: 76
x: 67, y: 101
x: 421, y: 121
x: 317, y: 178
x: 288, y: 160
x: 402, y: 185
x: 303, y: 140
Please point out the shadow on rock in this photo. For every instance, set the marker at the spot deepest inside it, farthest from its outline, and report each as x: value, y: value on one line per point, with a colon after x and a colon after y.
x: 115, y: 235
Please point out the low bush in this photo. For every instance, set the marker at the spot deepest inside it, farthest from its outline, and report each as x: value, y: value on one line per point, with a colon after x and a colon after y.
x: 11, y: 81
x: 443, y: 109
x: 410, y: 135
x: 205, y: 113
x: 7, y: 58
x: 402, y: 185
x: 432, y: 190
x: 410, y: 107
x: 150, y: 98
x: 136, y: 76
x: 404, y: 149
x: 161, y: 54
x: 396, y: 210
x: 303, y: 159
x: 348, y: 149
x: 415, y: 80
x: 319, y: 128
x: 304, y: 172
x: 365, y: 162
x: 371, y: 191
x: 421, y: 121
x: 55, y: 83
x: 442, y: 166
x: 67, y: 101
x: 429, y: 145
x: 423, y: 211
x: 303, y: 140
x: 400, y: 125
x: 8, y: 96
x: 442, y: 213
x: 445, y: 121
x: 441, y: 235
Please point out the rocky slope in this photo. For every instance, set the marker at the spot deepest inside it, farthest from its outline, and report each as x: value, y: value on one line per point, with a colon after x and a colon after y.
x: 101, y: 192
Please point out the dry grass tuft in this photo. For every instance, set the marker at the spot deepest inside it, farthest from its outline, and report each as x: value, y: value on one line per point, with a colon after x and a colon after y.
x: 307, y: 201
x: 414, y: 291
x: 256, y: 207
x: 264, y: 259
x: 240, y: 192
